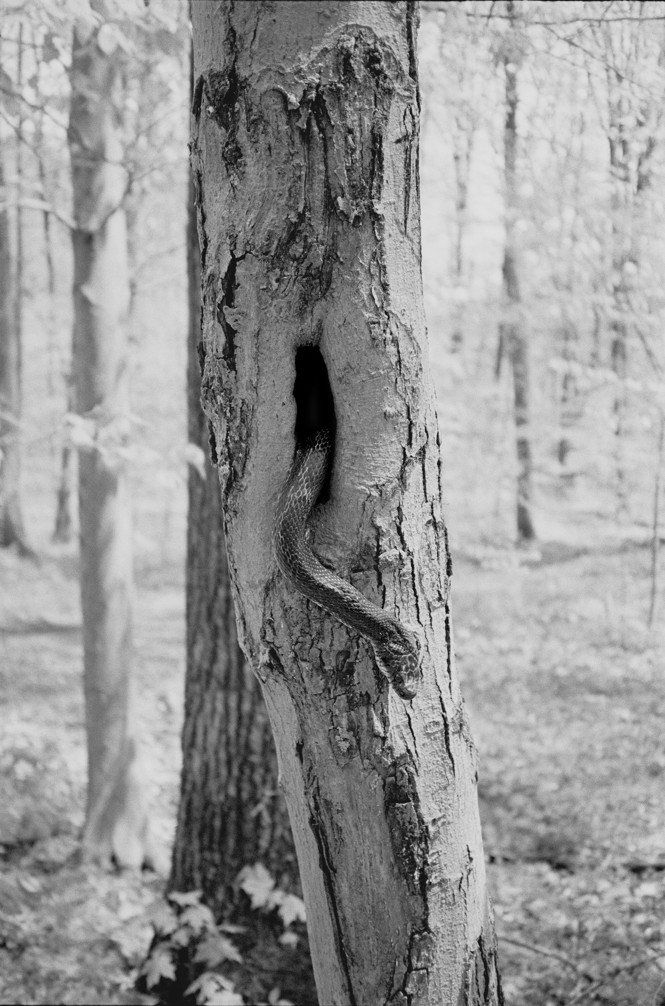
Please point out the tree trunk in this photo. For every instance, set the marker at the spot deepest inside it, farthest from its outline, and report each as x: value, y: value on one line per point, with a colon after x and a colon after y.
x: 116, y: 820
x: 512, y: 336
x: 633, y: 120
x: 624, y: 255
x: 305, y: 152
x: 568, y: 398
x: 231, y: 812
x: 11, y: 518
x: 462, y: 139
x: 62, y: 530
x: 655, y: 540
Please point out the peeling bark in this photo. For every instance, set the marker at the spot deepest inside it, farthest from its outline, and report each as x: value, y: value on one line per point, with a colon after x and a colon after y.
x: 305, y: 155
x: 116, y: 816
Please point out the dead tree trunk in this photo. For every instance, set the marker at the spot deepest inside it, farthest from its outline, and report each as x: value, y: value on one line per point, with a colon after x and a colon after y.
x: 305, y: 152
x: 116, y: 817
x: 512, y: 336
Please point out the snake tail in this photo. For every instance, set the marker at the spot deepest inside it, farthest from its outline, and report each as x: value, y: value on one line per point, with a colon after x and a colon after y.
x: 396, y: 647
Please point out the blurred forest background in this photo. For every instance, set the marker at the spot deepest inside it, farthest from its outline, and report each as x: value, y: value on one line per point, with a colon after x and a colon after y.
x: 543, y: 212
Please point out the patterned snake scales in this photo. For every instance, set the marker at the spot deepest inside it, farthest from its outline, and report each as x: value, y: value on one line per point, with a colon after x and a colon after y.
x: 397, y: 649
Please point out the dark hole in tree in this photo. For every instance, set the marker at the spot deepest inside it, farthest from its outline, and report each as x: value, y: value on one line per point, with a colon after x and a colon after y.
x: 315, y: 407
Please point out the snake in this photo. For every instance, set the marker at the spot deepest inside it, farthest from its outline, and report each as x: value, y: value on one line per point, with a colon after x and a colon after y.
x: 397, y: 648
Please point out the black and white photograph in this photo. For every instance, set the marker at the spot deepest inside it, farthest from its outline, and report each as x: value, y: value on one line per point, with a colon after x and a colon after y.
x: 332, y: 502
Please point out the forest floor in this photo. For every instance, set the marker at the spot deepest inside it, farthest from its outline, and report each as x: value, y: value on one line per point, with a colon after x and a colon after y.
x: 566, y: 693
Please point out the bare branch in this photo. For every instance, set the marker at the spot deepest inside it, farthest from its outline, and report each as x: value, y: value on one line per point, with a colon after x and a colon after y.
x: 543, y: 952
x: 27, y: 203
x: 585, y: 993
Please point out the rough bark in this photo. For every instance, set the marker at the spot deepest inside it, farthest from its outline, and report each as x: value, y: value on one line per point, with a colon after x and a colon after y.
x: 116, y: 817
x: 512, y: 336
x: 231, y: 812
x: 305, y: 152
x: 11, y: 517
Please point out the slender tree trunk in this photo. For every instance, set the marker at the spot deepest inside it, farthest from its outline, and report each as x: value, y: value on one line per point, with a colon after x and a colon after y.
x: 63, y: 525
x: 619, y: 361
x: 512, y: 336
x: 463, y: 137
x: 569, y: 403
x: 11, y: 517
x: 655, y: 539
x: 62, y: 530
x: 116, y: 817
x: 623, y: 252
x: 634, y: 128
x: 569, y: 410
x: 305, y: 151
x: 18, y: 285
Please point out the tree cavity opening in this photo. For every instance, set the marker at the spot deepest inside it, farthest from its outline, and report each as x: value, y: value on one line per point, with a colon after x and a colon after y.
x: 315, y: 406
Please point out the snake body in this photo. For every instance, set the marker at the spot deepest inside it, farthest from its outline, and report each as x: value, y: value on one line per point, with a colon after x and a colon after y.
x: 396, y: 648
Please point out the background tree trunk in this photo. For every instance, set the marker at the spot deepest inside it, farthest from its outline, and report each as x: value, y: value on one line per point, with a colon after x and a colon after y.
x: 462, y: 139
x: 512, y: 336
x: 623, y: 209
x: 116, y: 817
x: 11, y: 518
x: 305, y: 151
x: 634, y: 117
x: 62, y: 530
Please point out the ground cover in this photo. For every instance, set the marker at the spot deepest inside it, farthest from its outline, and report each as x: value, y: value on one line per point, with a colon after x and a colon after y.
x: 566, y: 694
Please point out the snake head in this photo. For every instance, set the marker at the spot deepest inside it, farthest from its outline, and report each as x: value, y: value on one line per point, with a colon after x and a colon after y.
x: 398, y: 654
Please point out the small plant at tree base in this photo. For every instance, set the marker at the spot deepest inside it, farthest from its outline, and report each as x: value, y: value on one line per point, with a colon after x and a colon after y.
x: 189, y: 946
x: 265, y: 896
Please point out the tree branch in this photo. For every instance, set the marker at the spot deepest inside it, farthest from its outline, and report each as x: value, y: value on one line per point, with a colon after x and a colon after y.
x: 651, y: 958
x: 28, y: 203
x: 543, y: 952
